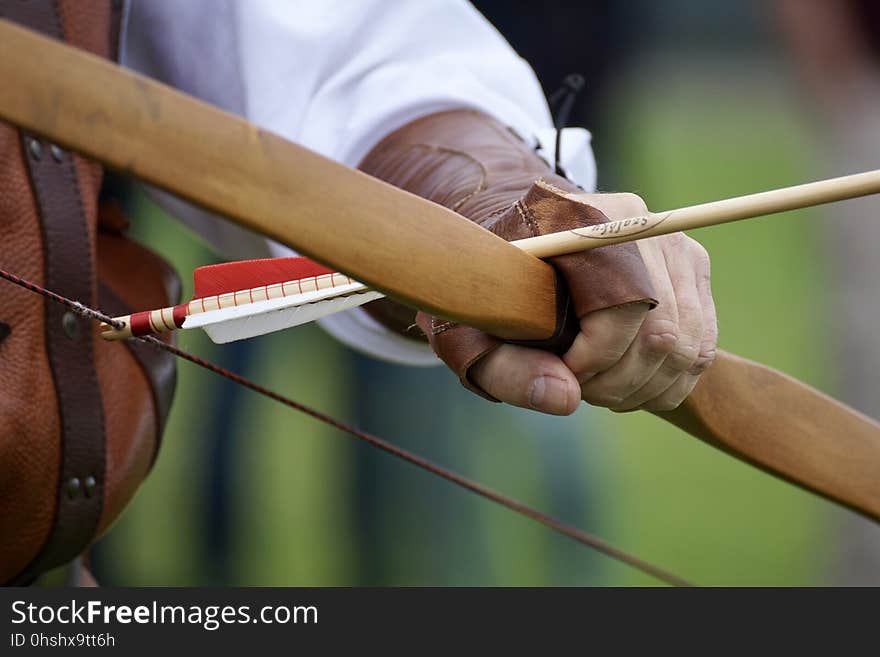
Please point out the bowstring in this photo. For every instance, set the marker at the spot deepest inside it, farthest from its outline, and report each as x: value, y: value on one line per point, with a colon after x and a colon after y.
x: 524, y: 510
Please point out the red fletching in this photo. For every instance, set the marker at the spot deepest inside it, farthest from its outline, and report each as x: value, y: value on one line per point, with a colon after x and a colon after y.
x: 211, y: 280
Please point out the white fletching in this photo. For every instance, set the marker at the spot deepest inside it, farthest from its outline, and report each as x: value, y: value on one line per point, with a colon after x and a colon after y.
x: 260, y: 317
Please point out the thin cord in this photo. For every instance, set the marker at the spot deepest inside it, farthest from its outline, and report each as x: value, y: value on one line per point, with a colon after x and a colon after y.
x: 75, y: 306
x: 564, y: 97
x: 387, y: 447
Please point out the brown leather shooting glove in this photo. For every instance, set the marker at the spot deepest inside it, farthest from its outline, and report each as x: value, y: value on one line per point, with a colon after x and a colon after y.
x: 474, y: 165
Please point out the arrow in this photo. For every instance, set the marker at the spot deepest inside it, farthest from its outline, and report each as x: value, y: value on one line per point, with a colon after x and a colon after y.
x: 239, y: 300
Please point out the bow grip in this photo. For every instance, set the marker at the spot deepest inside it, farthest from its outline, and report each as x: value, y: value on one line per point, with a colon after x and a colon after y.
x: 567, y: 323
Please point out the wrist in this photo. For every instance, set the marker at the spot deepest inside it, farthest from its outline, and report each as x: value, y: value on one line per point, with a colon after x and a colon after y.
x: 464, y: 160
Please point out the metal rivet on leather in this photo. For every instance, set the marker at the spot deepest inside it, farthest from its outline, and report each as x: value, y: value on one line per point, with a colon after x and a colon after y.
x: 71, y: 325
x: 57, y: 153
x: 73, y: 487
x: 89, y: 485
x: 35, y: 148
x: 5, y: 330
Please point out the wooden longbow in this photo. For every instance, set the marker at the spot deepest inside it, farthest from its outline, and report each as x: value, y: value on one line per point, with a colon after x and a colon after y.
x: 406, y: 247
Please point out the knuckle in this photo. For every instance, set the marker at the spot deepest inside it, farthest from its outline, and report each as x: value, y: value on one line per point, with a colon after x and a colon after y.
x: 699, y: 260
x: 659, y: 345
x: 632, y: 204
x: 699, y: 254
x: 703, y: 362
x: 660, y: 337
x: 663, y: 338
x: 684, y: 356
x: 707, y: 352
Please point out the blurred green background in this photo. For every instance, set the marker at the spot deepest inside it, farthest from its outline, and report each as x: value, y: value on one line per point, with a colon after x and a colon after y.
x: 248, y: 492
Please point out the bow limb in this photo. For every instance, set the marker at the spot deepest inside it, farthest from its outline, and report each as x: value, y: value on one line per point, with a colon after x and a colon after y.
x: 786, y: 427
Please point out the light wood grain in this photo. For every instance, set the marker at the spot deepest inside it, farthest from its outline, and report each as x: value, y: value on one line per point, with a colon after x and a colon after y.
x: 788, y: 428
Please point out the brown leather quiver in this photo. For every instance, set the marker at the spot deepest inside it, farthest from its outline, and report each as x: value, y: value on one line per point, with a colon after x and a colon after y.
x: 80, y: 418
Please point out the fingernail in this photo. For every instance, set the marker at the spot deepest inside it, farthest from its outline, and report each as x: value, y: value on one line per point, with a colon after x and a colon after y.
x: 549, y: 394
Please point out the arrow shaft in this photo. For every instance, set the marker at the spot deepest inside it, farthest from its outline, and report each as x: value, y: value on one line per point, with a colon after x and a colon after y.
x: 173, y: 317
x: 704, y: 214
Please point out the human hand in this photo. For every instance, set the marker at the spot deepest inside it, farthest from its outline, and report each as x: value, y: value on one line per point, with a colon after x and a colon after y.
x: 625, y: 357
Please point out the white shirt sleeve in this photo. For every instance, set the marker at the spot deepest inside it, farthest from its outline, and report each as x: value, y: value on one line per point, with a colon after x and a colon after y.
x: 336, y: 76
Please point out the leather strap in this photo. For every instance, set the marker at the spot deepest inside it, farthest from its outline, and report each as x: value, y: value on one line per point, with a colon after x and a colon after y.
x: 69, y: 271
x: 116, y: 16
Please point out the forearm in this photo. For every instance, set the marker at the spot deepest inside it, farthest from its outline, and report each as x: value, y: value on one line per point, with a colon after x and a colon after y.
x: 464, y: 160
